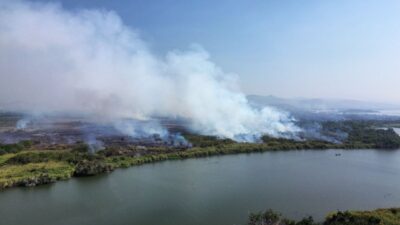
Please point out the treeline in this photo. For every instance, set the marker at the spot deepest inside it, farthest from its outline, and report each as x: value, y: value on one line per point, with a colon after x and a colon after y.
x: 206, y: 140
x: 389, y: 216
x: 358, y: 135
x: 369, y: 133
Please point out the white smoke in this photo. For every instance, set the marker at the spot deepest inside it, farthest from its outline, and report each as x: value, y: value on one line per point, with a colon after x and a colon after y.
x: 93, y: 144
x: 140, y: 128
x: 22, y: 123
x: 88, y: 61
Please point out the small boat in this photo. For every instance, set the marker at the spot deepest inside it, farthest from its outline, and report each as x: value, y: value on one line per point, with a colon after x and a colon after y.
x: 338, y: 154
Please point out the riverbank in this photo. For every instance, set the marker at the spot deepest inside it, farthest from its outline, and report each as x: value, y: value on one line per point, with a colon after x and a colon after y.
x: 216, y: 190
x: 33, y: 167
x: 25, y: 164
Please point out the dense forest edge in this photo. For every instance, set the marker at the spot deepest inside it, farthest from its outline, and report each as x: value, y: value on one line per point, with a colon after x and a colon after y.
x: 390, y: 216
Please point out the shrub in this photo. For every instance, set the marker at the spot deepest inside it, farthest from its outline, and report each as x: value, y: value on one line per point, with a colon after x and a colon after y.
x: 90, y: 168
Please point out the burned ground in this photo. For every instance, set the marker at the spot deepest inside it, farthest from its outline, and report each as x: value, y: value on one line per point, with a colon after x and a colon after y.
x: 47, y: 150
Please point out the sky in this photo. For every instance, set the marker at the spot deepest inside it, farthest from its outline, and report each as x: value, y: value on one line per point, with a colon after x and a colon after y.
x: 314, y: 49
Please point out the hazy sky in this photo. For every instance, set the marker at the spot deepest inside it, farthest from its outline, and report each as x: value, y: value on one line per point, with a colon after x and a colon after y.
x: 328, y: 49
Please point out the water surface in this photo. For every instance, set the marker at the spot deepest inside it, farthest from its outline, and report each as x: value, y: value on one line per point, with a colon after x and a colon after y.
x: 216, y: 190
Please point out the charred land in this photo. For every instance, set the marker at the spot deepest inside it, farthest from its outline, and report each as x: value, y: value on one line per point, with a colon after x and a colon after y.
x: 44, y: 151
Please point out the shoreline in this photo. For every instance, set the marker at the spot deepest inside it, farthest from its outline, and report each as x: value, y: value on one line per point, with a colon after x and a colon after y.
x: 27, y: 163
x: 334, y: 216
x: 49, y: 166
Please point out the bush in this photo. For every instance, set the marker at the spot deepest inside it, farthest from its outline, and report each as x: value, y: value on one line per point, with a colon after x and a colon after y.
x: 81, y: 148
x: 347, y: 218
x: 270, y: 217
x: 90, y: 168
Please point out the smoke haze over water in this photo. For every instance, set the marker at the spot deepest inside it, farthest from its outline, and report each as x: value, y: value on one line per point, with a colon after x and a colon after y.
x: 88, y: 62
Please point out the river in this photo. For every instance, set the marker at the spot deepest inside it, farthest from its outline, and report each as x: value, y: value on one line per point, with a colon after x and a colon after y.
x: 219, y: 190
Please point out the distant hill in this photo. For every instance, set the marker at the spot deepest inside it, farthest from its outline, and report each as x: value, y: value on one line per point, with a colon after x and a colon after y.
x: 319, y: 104
x: 326, y: 108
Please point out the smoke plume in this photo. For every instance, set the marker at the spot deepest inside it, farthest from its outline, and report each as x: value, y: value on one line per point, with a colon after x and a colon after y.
x: 88, y: 62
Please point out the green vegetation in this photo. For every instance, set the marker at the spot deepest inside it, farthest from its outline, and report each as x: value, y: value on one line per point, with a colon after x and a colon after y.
x: 204, y: 140
x: 91, y: 167
x: 31, y: 168
x: 4, y: 158
x: 32, y: 174
x: 377, y: 217
x: 359, y: 135
x: 270, y: 217
x: 23, y: 165
x: 68, y: 156
x: 13, y: 148
x: 18, y: 161
x: 366, y: 133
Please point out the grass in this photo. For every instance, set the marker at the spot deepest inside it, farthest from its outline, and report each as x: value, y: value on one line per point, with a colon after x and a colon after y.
x: 4, y: 158
x: 34, y: 173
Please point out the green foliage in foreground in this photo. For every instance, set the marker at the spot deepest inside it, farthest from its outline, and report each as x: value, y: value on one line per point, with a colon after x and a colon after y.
x: 32, y: 174
x: 31, y: 168
x: 270, y: 217
x: 389, y: 216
